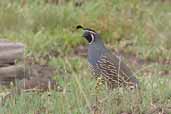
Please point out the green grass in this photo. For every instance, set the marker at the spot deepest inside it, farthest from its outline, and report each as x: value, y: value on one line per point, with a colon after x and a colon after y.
x: 140, y: 28
x: 79, y: 94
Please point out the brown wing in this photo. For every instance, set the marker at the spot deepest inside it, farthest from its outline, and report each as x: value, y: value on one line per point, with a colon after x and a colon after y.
x: 94, y: 70
x: 115, y: 71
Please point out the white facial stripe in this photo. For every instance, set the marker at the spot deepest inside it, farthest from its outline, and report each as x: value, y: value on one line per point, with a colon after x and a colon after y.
x: 92, y: 35
x: 92, y: 40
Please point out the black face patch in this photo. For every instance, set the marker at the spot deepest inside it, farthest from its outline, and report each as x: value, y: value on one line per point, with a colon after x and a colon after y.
x: 89, y: 36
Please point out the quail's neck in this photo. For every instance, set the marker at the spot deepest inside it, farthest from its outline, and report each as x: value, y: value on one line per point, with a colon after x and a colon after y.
x: 95, y: 50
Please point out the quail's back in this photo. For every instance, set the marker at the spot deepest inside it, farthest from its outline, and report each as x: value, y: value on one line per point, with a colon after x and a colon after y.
x: 105, y: 64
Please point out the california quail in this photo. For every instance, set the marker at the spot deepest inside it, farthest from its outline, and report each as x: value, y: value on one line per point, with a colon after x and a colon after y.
x: 103, y: 63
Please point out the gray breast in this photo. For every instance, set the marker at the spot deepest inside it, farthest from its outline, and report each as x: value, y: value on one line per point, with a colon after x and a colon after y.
x: 95, y: 51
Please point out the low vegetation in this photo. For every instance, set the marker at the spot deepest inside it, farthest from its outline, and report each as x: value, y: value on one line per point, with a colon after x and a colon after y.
x: 137, y: 30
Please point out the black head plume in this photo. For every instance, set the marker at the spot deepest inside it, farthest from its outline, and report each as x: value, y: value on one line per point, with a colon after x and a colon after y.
x: 80, y: 27
x: 86, y: 29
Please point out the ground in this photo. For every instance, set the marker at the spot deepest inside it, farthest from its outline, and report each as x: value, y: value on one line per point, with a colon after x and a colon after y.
x: 138, y: 31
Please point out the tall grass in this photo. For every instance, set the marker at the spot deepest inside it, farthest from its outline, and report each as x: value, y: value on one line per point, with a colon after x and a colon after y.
x: 79, y: 94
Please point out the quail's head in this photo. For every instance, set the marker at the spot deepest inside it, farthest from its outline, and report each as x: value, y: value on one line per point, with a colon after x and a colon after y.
x: 89, y: 34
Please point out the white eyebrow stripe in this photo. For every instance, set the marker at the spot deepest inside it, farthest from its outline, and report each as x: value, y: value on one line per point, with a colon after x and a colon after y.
x: 90, y: 31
